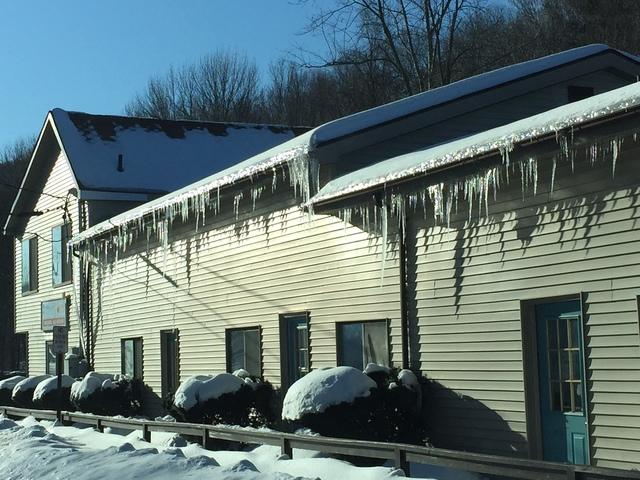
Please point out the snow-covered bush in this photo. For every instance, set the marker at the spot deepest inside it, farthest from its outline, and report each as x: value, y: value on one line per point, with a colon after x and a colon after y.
x: 22, y: 393
x: 6, y: 389
x: 235, y: 399
x: 104, y: 394
x: 46, y: 394
x: 378, y: 404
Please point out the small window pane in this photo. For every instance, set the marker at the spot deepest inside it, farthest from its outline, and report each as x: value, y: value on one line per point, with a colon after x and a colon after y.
x: 566, y: 396
x: 562, y: 331
x: 29, y: 269
x: 351, y: 345
x: 236, y: 341
x: 245, y: 351
x: 564, y: 365
x: 376, y: 343
x: 553, y: 365
x: 578, y: 396
x: 252, y: 352
x: 129, y: 358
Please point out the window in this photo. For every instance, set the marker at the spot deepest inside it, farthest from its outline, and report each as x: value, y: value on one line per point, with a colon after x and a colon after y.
x: 132, y: 357
x: 60, y: 259
x: 169, y: 360
x: 21, y: 351
x: 50, y: 367
x: 244, y: 350
x: 29, y: 265
x: 362, y: 343
x: 576, y: 93
x: 565, y: 369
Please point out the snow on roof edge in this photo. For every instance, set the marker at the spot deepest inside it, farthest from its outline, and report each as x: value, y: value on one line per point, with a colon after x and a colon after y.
x: 467, y: 86
x: 296, y: 147
x: 502, y: 138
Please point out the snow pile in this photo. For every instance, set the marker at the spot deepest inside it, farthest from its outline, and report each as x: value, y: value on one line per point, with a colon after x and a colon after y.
x: 200, y: 388
x: 49, y: 385
x: 375, y: 368
x: 11, y: 382
x: 91, y: 382
x: 29, y: 383
x: 322, y: 388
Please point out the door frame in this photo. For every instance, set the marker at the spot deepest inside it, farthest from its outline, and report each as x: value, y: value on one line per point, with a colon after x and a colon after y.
x: 285, y: 374
x: 530, y: 370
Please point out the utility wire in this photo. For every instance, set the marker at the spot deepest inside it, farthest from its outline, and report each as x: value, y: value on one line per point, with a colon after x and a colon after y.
x: 4, y: 184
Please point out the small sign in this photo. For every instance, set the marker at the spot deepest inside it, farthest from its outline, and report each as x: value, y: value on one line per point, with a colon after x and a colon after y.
x: 60, y: 340
x: 54, y: 313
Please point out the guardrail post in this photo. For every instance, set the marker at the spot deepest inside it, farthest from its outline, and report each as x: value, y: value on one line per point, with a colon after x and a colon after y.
x: 571, y: 473
x: 400, y: 460
x: 206, y: 439
x: 146, y: 433
x: 99, y: 426
x: 285, y: 447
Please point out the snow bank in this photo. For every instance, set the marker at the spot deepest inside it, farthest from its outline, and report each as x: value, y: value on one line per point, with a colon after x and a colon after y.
x: 51, y: 384
x: 11, y: 382
x: 200, y: 388
x: 91, y: 382
x: 322, y: 388
x: 29, y: 383
x: 375, y: 368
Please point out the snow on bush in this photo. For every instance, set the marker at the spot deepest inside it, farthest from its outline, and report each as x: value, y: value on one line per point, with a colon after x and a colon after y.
x: 234, y: 399
x: 323, y: 388
x: 22, y: 394
x: 46, y: 394
x: 6, y: 389
x: 49, y: 385
x: 106, y: 394
x: 200, y: 388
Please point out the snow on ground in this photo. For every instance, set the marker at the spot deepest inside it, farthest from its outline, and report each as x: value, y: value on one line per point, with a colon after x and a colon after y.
x: 45, y: 450
x: 324, y: 387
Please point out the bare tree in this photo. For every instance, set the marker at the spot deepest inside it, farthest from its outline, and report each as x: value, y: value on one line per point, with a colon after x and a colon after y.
x: 223, y: 86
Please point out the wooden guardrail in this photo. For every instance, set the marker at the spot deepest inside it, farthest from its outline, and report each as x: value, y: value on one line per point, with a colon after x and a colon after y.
x: 400, y: 454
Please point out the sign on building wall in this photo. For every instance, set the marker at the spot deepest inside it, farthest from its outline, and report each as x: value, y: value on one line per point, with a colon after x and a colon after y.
x: 54, y: 313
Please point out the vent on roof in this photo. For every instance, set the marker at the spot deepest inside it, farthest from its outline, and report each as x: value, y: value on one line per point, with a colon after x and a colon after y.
x: 120, y: 163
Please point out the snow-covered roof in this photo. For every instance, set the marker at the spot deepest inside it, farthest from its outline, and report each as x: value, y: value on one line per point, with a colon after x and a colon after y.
x: 298, y: 147
x: 462, y: 88
x: 502, y: 138
x: 157, y: 155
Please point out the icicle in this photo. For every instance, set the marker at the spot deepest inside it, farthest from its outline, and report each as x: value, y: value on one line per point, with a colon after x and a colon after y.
x: 236, y: 203
x: 384, y: 216
x: 256, y: 193
x: 274, y: 180
x: 553, y: 173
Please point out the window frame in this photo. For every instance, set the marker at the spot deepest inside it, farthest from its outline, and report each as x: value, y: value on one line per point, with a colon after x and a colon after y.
x: 164, y: 361
x: 339, y: 336
x: 136, y: 355
x: 16, y: 351
x: 228, y: 354
x: 66, y: 259
x: 33, y: 265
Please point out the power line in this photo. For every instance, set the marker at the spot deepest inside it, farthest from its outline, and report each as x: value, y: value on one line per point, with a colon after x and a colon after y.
x: 33, y: 191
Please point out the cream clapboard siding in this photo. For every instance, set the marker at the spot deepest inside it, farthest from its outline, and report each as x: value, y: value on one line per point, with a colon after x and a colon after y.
x: 583, y: 237
x: 59, y: 181
x: 272, y: 261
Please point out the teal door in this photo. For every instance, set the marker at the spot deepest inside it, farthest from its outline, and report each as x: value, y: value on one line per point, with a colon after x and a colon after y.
x: 561, y: 382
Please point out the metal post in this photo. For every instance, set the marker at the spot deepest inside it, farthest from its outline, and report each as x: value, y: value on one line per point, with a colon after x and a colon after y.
x: 146, y: 433
x: 400, y: 461
x: 285, y: 447
x: 59, y: 366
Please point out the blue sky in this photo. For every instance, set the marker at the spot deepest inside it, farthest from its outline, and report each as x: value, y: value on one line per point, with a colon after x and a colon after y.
x: 93, y: 56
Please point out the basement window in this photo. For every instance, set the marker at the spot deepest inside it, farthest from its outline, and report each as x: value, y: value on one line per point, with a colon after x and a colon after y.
x: 60, y: 260
x: 244, y: 350
x: 361, y: 343
x: 132, y: 357
x: 29, y: 265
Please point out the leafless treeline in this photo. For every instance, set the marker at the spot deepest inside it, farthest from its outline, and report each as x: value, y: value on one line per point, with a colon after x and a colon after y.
x: 381, y: 50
